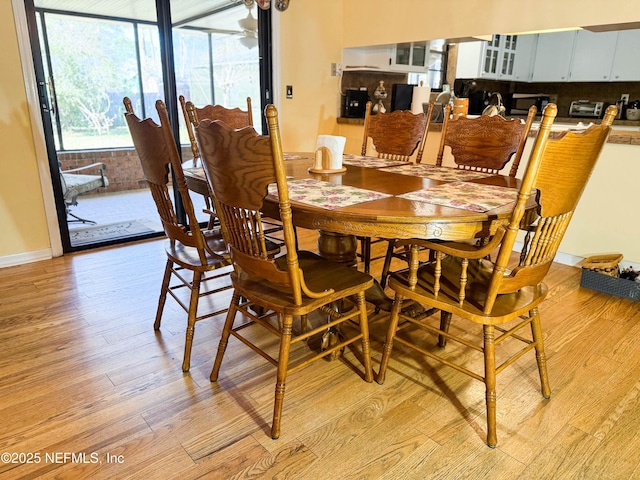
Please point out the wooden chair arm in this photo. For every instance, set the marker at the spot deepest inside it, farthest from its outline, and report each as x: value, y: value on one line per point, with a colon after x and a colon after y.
x: 459, y: 249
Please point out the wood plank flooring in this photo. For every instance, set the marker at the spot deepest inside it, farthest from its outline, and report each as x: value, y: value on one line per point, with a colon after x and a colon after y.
x: 88, y: 389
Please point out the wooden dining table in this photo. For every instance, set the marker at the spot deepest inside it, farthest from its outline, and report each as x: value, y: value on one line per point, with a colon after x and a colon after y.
x: 383, y: 199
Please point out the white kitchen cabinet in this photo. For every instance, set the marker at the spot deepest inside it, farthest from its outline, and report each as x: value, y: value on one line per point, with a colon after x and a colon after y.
x: 410, y: 57
x: 468, y: 61
x: 593, y: 55
x: 372, y: 58
x: 553, y: 57
x: 499, y: 57
x: 525, y: 53
x: 626, y: 66
x: 506, y: 57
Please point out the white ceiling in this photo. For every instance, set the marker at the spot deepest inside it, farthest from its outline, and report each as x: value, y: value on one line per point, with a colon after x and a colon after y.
x: 183, y: 12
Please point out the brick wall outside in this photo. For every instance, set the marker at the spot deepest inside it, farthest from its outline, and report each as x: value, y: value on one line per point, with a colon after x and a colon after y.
x: 123, y: 171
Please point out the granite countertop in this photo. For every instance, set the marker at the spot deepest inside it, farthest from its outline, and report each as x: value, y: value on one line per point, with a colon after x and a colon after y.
x: 623, y: 132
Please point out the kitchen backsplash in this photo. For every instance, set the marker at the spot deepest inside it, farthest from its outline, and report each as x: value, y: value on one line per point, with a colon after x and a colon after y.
x: 371, y: 79
x: 566, y: 92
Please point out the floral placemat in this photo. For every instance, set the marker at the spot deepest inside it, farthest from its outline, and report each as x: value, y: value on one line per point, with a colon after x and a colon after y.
x: 443, y: 174
x: 296, y: 156
x: 326, y: 195
x: 467, y: 196
x: 369, y: 162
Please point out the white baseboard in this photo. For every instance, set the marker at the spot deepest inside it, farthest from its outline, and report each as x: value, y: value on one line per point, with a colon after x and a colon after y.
x: 574, y: 260
x: 26, y: 257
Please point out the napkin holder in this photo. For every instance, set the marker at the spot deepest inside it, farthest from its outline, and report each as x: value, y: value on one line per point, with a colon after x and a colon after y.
x: 328, y: 156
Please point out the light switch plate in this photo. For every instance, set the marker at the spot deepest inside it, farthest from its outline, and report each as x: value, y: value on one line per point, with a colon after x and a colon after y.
x: 289, y: 91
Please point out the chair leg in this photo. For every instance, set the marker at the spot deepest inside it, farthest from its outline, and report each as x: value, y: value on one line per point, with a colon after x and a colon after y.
x: 490, y: 383
x: 163, y: 293
x: 388, y: 343
x: 541, y: 358
x: 281, y: 376
x: 364, y: 330
x: 224, y: 337
x: 365, y: 247
x: 191, y: 320
x: 78, y: 219
x: 445, y: 322
x: 387, y: 263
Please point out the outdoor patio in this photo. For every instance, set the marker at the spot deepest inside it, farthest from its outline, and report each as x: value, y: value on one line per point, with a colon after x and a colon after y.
x: 118, y: 208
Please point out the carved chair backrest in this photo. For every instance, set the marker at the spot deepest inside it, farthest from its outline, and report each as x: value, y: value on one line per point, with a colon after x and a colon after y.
x: 396, y: 135
x: 234, y: 117
x: 158, y: 154
x: 485, y: 143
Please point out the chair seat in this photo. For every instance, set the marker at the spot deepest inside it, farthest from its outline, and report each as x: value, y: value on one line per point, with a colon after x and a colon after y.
x: 78, y: 183
x: 507, y: 306
x: 321, y: 275
x: 187, y: 257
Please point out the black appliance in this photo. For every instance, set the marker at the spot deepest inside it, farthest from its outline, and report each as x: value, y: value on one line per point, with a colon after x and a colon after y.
x: 401, y: 95
x: 519, y: 103
x: 355, y: 103
x: 478, y: 101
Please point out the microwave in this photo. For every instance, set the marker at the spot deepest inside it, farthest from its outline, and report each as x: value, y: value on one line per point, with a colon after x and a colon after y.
x: 354, y: 103
x: 519, y: 103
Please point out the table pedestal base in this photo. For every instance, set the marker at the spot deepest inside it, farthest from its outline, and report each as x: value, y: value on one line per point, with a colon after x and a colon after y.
x: 342, y: 249
x: 338, y: 247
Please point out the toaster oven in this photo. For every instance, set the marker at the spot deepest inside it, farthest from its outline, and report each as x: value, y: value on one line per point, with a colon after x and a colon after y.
x: 585, y: 108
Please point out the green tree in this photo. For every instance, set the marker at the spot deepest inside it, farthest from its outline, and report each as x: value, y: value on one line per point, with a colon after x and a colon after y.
x: 93, y: 63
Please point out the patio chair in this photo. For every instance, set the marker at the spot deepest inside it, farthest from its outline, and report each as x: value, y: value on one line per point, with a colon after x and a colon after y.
x: 75, y: 184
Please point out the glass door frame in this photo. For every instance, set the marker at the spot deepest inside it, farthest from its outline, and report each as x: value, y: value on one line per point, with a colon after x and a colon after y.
x: 163, y: 10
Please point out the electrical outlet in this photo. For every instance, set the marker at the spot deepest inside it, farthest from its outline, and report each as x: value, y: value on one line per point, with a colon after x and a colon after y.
x: 336, y: 69
x: 625, y: 98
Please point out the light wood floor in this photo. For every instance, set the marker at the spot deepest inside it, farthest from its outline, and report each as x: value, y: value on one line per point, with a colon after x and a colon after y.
x: 83, y: 372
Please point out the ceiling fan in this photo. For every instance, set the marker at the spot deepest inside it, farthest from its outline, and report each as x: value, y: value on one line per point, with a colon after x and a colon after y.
x: 281, y: 5
x: 248, y: 28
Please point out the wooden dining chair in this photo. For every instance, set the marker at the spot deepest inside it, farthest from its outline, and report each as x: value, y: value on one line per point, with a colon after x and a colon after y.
x: 194, y: 256
x: 483, y: 144
x: 394, y: 136
x: 501, y: 297
x: 235, y: 117
x: 240, y: 164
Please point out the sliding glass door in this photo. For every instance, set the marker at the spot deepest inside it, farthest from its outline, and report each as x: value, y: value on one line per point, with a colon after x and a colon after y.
x: 89, y: 55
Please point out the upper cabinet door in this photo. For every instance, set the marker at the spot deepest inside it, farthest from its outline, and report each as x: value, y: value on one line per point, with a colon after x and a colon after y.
x: 626, y: 66
x: 525, y: 53
x: 553, y: 57
x: 410, y: 57
x: 469, y: 59
x: 499, y: 57
x: 593, y: 56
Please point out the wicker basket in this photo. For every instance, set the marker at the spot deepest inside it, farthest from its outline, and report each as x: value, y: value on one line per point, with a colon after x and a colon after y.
x: 606, y: 264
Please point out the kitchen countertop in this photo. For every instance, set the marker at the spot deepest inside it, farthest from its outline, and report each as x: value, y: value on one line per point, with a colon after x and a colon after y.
x: 623, y: 131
